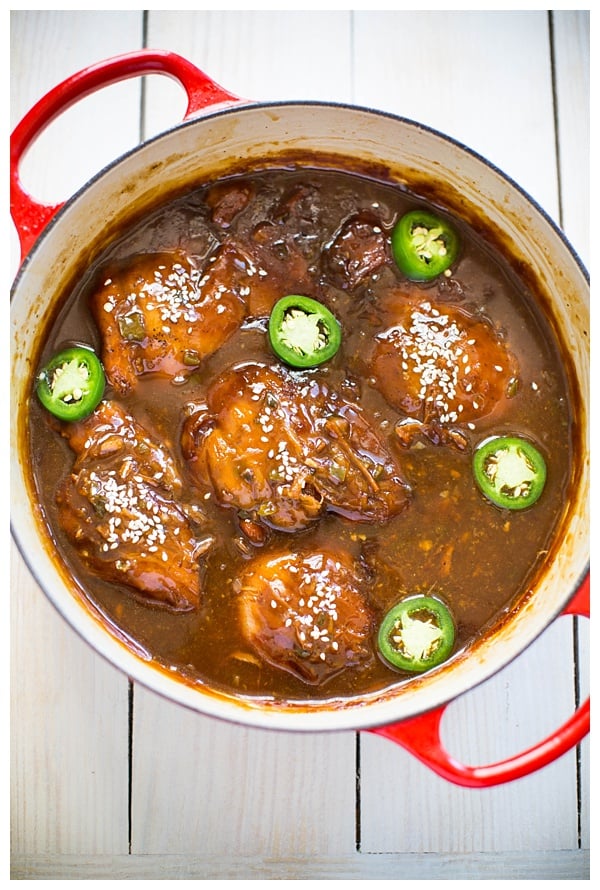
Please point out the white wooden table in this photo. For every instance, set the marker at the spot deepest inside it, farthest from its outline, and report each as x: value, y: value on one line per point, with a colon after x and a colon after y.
x: 108, y: 780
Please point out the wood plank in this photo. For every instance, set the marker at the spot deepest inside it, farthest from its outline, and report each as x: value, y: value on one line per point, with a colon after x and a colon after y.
x: 285, y: 788
x: 69, y: 740
x: 498, y: 64
x: 405, y: 807
x: 46, y: 48
x: 571, y: 31
x: 69, y: 714
x: 231, y: 791
x: 482, y: 78
x: 505, y: 866
x: 259, y: 55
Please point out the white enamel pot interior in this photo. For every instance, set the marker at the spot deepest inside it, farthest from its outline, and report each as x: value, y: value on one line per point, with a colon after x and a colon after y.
x: 213, y: 144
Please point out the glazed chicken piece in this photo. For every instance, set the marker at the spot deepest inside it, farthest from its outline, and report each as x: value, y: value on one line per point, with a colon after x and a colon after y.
x: 284, y: 450
x: 159, y: 313
x: 119, y: 508
x: 359, y: 249
x: 276, y: 239
x: 305, y: 613
x: 280, y: 244
x: 439, y: 364
x: 226, y: 200
x: 281, y: 269
x: 110, y: 433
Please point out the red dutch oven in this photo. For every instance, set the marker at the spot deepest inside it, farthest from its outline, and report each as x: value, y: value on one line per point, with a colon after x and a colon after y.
x: 218, y: 132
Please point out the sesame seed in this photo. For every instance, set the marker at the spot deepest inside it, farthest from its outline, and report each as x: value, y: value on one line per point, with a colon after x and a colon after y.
x: 133, y: 517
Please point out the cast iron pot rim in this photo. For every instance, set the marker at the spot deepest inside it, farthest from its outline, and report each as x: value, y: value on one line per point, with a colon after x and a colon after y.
x: 242, y: 711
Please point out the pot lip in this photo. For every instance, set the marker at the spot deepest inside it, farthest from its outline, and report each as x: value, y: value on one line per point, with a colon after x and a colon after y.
x: 369, y: 714
x: 251, y: 106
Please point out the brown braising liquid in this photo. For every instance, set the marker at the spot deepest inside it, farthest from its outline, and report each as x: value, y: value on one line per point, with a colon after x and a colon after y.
x: 449, y: 540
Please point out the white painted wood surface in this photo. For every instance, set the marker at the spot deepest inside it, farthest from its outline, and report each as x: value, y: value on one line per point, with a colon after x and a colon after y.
x: 111, y: 782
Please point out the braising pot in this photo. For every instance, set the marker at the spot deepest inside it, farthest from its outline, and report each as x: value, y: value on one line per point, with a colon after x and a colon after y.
x: 220, y: 131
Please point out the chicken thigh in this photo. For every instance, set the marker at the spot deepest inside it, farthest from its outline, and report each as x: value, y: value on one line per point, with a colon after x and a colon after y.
x: 304, y: 612
x: 438, y: 363
x: 119, y: 508
x: 161, y: 314
x: 285, y: 450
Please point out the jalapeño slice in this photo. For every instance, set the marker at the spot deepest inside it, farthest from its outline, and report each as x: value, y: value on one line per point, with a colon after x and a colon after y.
x: 303, y: 332
x: 509, y: 471
x: 72, y: 383
x: 423, y: 245
x: 417, y: 634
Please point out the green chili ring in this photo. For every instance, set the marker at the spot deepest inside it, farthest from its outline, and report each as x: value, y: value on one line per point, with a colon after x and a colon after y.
x: 423, y: 245
x: 303, y: 332
x: 417, y: 634
x: 509, y: 471
x: 71, y: 384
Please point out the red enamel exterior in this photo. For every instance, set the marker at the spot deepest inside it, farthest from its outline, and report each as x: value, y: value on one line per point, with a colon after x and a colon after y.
x: 421, y: 735
x: 30, y: 217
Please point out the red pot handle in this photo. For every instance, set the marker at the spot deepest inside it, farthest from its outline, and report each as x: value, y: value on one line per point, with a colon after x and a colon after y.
x: 31, y: 217
x: 421, y: 735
